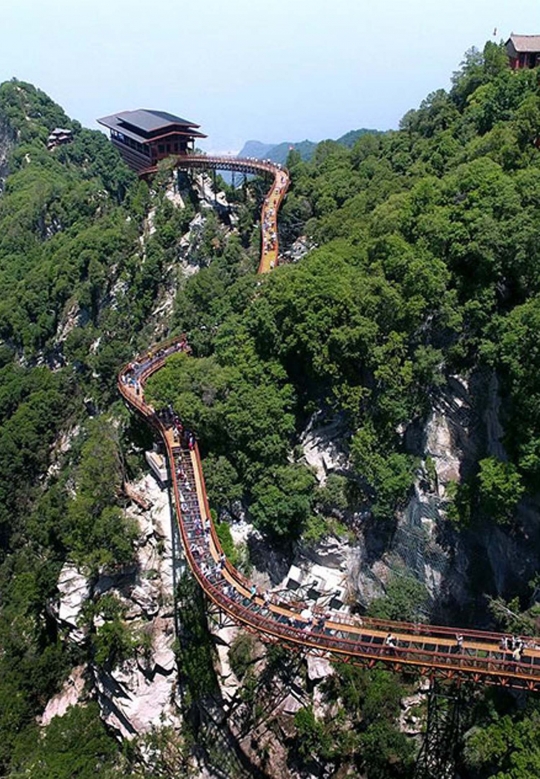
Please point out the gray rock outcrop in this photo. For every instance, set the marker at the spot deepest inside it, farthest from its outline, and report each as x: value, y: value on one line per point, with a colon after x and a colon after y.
x: 7, y: 142
x: 139, y: 694
x: 322, y: 447
x: 464, y: 425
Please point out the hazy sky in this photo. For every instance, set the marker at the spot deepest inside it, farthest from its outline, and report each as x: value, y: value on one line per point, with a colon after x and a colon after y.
x: 250, y: 69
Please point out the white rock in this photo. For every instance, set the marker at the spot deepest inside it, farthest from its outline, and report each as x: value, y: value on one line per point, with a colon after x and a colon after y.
x: 146, y: 525
x: 329, y: 553
x: 134, y: 704
x: 146, y: 595
x: 300, y: 248
x: 318, y: 668
x: 132, y: 611
x: 228, y: 683
x: 291, y: 704
x: 440, y: 446
x: 412, y: 700
x: 424, y: 684
x: 174, y: 197
x: 321, y: 447
x: 138, y: 695
x: 163, y: 653
x: 241, y: 531
x: 69, y: 695
x: 74, y: 589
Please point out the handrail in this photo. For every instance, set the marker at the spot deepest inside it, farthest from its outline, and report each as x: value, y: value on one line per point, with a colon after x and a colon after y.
x: 276, y: 193
x: 433, y: 649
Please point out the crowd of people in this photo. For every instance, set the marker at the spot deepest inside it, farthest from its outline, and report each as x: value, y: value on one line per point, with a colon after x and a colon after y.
x: 515, y: 646
x: 211, y: 568
x: 136, y: 370
x: 243, y: 598
x: 512, y: 648
x: 269, y: 215
x: 210, y: 563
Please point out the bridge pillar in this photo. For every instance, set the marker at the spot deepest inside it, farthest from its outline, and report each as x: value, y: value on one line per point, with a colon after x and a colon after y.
x: 444, y: 730
x: 221, y: 618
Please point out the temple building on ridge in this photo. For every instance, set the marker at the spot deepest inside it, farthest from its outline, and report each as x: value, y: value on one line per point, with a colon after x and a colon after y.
x: 143, y: 137
x: 59, y: 137
x: 523, y: 51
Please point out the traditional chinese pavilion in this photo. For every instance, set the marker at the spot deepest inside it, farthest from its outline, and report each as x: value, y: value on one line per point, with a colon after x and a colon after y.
x: 59, y: 137
x: 143, y: 137
x: 523, y: 51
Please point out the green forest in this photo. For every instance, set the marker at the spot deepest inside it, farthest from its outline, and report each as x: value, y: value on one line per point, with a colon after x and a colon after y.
x: 425, y: 264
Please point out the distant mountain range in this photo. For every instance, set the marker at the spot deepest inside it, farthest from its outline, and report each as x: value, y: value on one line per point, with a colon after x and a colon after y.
x: 277, y: 152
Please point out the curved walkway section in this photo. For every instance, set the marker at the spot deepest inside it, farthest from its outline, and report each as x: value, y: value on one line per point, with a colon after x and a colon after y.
x: 272, y: 202
x: 480, y: 656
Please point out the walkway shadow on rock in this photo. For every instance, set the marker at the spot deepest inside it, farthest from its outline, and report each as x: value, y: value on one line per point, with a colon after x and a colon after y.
x: 271, y: 559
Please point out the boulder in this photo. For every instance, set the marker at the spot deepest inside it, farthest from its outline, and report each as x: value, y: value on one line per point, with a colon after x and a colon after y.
x: 291, y: 704
x: 163, y: 652
x: 74, y: 590
x: 146, y: 595
x: 440, y: 446
x: 70, y: 694
x: 318, y: 668
x: 322, y: 447
x: 330, y: 552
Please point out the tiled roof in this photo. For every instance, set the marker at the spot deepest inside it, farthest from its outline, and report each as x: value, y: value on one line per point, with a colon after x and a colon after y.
x: 149, y: 120
x: 145, y: 121
x: 526, y: 44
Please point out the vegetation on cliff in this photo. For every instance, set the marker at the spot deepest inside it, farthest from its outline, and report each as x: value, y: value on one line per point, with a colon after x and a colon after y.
x: 426, y: 266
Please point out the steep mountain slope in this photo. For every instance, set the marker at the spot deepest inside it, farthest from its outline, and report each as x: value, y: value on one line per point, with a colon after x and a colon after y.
x: 411, y: 327
x: 90, y: 261
x: 412, y: 324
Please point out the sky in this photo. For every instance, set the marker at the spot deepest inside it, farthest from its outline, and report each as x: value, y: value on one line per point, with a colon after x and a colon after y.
x: 275, y: 71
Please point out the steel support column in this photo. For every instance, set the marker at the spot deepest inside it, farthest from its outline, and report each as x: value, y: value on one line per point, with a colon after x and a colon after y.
x: 444, y: 730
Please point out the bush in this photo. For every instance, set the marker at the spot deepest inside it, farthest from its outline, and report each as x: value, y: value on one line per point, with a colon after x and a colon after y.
x: 76, y: 744
x: 500, y: 489
x: 406, y: 599
x: 241, y: 653
x: 227, y: 544
x: 313, y: 739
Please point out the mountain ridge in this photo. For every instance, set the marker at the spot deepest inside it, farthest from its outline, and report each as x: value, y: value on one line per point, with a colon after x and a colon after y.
x: 278, y: 152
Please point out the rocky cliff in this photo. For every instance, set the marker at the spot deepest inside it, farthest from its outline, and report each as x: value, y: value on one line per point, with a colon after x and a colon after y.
x: 140, y: 693
x: 463, y: 426
x: 7, y: 142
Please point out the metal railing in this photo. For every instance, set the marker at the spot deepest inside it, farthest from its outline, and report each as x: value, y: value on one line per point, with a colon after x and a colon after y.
x: 433, y: 649
x: 430, y: 648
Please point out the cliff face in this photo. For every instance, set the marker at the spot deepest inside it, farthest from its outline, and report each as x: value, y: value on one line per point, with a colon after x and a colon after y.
x: 137, y: 694
x: 140, y: 694
x: 458, y: 567
x: 7, y: 142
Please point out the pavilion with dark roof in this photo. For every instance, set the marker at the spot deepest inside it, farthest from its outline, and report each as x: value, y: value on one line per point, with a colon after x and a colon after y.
x: 523, y: 51
x: 144, y: 136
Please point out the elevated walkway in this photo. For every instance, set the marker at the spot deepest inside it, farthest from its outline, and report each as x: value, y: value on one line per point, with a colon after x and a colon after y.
x: 431, y: 649
x: 272, y: 202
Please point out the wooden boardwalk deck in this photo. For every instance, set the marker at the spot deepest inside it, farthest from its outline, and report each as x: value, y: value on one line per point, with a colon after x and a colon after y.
x: 430, y: 649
